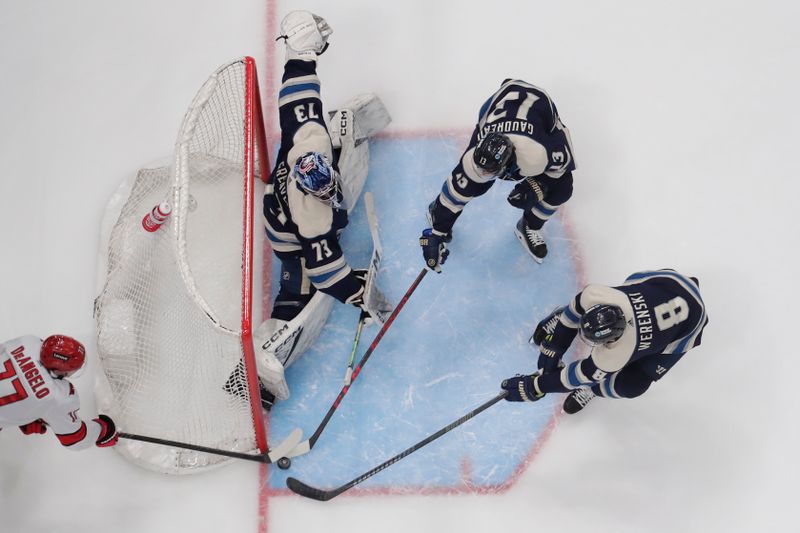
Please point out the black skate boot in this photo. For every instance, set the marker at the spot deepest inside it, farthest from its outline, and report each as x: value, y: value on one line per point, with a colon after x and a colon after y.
x: 267, y: 398
x: 236, y: 385
x: 532, y: 240
x: 577, y: 400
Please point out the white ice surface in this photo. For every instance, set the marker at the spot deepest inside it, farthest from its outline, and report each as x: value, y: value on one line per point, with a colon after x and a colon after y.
x: 684, y: 118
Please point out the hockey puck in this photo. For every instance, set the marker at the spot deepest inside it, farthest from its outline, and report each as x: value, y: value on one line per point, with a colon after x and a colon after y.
x: 284, y: 463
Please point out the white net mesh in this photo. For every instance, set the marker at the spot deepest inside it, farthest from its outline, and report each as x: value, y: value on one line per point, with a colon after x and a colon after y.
x: 170, y: 315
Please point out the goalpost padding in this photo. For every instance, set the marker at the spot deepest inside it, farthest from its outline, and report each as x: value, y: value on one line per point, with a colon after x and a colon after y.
x: 175, y: 313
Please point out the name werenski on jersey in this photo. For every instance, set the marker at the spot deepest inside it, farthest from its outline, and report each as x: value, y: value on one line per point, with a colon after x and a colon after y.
x: 508, y: 126
x: 31, y: 373
x: 644, y: 320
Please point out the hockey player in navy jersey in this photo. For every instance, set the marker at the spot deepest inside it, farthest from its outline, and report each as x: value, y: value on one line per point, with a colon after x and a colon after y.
x: 304, y: 204
x: 318, y: 177
x: 639, y: 331
x: 35, y: 394
x: 519, y: 137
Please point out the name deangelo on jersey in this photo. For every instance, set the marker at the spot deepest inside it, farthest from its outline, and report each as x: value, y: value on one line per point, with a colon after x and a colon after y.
x: 31, y: 373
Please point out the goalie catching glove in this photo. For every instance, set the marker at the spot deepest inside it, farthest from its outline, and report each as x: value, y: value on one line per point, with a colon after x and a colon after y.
x: 306, y: 35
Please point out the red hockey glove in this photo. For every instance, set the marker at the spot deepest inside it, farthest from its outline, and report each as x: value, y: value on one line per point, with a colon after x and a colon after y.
x: 108, y: 436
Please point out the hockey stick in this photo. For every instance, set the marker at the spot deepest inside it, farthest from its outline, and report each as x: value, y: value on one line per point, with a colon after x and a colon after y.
x: 271, y: 456
x: 306, y: 445
x: 314, y: 493
x: 370, y: 285
x: 348, y: 375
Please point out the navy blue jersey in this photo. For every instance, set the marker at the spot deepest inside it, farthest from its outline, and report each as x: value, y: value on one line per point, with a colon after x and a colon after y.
x: 529, y: 117
x: 542, y: 149
x: 297, y: 223
x: 665, y: 315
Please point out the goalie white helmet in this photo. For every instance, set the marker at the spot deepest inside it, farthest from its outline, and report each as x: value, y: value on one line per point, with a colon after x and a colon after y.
x: 314, y: 175
x: 305, y: 33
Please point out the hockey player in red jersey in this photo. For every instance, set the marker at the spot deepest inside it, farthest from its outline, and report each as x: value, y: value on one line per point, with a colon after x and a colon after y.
x: 35, y: 394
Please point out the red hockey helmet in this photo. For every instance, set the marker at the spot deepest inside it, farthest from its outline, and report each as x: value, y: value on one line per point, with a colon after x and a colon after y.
x: 62, y: 355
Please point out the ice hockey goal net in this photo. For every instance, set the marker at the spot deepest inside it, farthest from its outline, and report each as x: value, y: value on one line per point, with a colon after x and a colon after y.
x: 175, y: 305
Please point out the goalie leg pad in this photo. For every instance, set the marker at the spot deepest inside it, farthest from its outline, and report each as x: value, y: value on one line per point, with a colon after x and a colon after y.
x: 270, y: 369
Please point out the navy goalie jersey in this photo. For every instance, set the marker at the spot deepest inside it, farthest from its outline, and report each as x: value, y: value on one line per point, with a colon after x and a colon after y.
x: 297, y: 223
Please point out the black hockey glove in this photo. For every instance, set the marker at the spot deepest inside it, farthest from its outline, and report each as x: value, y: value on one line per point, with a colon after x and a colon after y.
x: 434, y: 249
x: 357, y: 298
x: 527, y: 193
x: 521, y: 389
x: 550, y: 354
x: 550, y: 357
x: 546, y: 327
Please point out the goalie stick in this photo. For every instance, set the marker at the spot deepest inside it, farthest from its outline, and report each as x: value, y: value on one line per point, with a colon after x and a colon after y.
x: 373, y: 297
x: 307, y: 445
x: 348, y: 375
x: 375, y: 301
x: 271, y: 456
x: 314, y: 493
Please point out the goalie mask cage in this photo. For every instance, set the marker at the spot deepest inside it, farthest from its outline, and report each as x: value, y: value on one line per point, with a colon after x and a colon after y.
x: 174, y: 316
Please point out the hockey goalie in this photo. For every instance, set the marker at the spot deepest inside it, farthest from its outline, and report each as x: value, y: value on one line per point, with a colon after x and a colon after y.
x: 318, y: 176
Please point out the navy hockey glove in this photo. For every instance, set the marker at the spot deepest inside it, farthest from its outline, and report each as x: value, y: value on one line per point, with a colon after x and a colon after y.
x: 35, y: 427
x: 527, y: 193
x: 434, y: 248
x: 521, y: 389
x: 546, y: 327
x: 550, y: 357
x: 550, y: 354
x: 108, y: 434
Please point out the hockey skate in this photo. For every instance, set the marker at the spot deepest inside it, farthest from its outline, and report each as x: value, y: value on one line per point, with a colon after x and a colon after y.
x: 532, y: 240
x: 267, y: 398
x: 577, y: 400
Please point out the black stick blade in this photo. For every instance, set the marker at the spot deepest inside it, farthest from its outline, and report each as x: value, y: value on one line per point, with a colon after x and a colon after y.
x: 298, y: 487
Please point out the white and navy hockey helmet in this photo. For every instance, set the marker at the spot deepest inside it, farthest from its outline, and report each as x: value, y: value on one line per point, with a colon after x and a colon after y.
x: 314, y: 175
